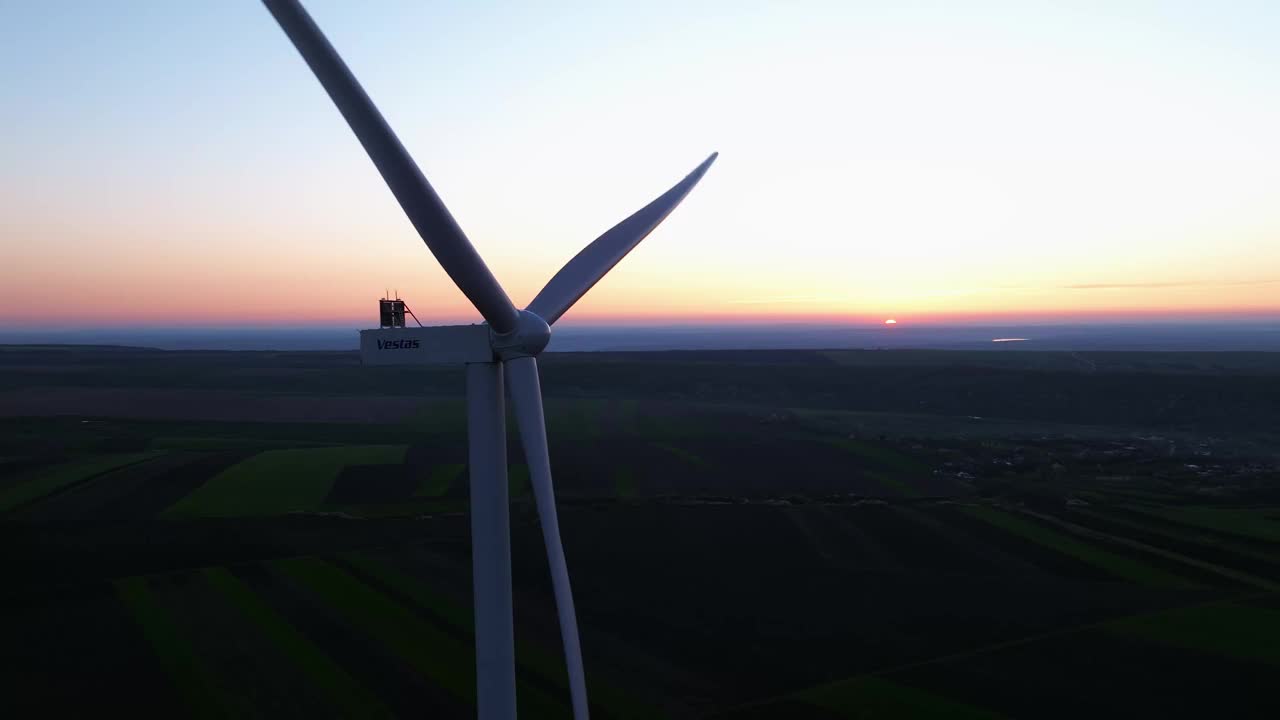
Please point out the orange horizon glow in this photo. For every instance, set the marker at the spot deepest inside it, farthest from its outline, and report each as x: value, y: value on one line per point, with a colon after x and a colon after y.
x: 282, y: 314
x: 320, y: 289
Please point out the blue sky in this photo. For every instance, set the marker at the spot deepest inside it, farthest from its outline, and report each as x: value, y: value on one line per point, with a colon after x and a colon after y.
x: 908, y: 159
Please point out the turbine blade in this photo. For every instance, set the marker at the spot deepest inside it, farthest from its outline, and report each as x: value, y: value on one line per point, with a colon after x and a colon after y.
x: 425, y: 209
x: 587, y: 267
x: 526, y: 399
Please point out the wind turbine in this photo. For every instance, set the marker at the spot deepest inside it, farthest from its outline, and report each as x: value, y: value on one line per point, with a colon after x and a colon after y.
x: 507, y: 344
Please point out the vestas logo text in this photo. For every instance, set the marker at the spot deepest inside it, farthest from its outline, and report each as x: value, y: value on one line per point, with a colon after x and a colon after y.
x: 397, y: 344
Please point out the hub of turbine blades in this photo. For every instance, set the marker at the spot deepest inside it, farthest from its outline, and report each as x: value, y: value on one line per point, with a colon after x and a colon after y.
x: 528, y: 339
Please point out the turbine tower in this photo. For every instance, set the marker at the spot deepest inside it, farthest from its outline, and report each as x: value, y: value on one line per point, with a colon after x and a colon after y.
x: 507, y: 344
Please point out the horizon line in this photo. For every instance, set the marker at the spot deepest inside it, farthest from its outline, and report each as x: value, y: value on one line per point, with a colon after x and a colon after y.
x: 637, y: 324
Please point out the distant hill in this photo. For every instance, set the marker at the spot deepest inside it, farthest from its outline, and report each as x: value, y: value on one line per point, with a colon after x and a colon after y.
x: 1261, y: 335
x: 71, y: 347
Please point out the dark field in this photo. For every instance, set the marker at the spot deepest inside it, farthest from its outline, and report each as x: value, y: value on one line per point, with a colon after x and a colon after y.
x: 763, y: 534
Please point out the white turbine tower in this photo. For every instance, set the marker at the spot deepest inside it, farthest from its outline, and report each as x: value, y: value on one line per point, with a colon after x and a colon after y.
x: 508, y: 342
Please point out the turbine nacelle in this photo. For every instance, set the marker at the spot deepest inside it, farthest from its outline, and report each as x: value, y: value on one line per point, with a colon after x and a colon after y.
x: 454, y: 344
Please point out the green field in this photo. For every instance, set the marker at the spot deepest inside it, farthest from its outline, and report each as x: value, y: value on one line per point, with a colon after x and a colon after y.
x: 432, y: 652
x: 203, y: 694
x: 340, y: 689
x: 1230, y: 629
x: 48, y: 480
x: 440, y: 479
x: 1117, y: 565
x: 1261, y: 523
x: 275, y: 482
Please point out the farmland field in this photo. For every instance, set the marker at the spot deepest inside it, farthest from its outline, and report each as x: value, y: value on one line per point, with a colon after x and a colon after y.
x: 278, y: 481
x: 751, y: 535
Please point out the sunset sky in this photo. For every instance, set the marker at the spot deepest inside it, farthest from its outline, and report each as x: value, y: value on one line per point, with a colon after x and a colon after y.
x: 166, y: 163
